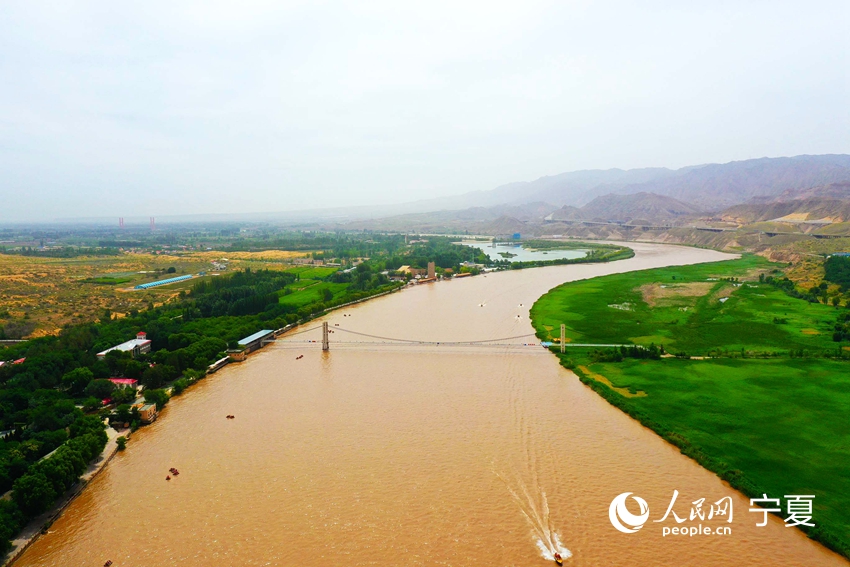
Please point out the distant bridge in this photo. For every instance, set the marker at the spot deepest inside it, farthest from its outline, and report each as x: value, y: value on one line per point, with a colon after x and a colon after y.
x: 378, y: 340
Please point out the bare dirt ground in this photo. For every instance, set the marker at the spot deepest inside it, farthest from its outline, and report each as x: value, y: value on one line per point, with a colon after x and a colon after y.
x: 655, y: 294
x: 39, y: 295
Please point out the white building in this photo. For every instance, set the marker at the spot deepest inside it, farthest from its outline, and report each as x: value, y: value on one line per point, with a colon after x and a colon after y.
x: 135, y: 347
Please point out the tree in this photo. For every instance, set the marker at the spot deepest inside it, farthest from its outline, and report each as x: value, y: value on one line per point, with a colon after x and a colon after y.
x: 171, y: 270
x: 92, y: 403
x: 10, y: 523
x: 123, y: 413
x: 33, y: 493
x: 158, y: 397
x: 180, y: 385
x: 85, y: 425
x: 123, y: 395
x: 101, y: 389
x: 76, y: 380
x: 153, y: 377
x: 134, y: 369
x: 121, y: 442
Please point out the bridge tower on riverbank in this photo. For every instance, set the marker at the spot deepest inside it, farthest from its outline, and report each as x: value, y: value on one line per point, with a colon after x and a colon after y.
x: 563, y: 337
x: 325, y: 345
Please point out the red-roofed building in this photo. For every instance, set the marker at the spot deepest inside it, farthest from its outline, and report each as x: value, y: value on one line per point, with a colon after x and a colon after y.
x: 124, y: 382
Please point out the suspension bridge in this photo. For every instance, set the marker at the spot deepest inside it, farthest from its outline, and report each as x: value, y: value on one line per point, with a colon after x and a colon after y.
x: 357, y: 338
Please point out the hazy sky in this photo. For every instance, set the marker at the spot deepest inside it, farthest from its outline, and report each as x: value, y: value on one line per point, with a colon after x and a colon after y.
x: 154, y: 108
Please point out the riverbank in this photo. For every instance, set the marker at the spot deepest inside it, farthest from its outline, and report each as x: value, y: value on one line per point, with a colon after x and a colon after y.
x: 41, y: 524
x: 761, y: 407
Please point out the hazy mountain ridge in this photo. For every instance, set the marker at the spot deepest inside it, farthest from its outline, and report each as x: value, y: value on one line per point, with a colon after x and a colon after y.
x: 648, y: 206
x: 827, y: 204
x: 718, y: 186
x: 711, y: 187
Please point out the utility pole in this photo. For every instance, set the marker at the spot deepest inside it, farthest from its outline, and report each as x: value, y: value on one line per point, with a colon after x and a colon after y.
x: 563, y: 337
x: 325, y: 345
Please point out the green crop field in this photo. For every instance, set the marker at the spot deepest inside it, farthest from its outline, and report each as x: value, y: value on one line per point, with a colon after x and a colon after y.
x: 311, y: 292
x: 312, y: 272
x: 776, y: 425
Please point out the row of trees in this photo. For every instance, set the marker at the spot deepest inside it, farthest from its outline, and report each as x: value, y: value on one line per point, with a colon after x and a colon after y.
x: 618, y: 354
x: 35, y: 490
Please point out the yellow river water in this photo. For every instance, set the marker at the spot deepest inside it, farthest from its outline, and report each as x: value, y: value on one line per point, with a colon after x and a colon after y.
x: 373, y: 454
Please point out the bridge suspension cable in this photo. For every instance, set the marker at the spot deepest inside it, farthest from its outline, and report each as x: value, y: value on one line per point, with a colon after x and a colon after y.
x: 288, y: 334
x: 416, y: 341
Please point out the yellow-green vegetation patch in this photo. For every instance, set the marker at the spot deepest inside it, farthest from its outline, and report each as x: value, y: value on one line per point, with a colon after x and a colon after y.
x: 602, y: 379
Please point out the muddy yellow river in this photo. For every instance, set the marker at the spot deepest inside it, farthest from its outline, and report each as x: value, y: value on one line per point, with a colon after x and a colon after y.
x: 387, y: 453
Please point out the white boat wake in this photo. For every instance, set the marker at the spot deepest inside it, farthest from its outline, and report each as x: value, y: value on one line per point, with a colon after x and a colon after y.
x: 536, y: 513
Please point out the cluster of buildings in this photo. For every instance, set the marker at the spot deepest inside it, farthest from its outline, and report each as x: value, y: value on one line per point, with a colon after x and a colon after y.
x: 422, y: 276
x: 147, y: 412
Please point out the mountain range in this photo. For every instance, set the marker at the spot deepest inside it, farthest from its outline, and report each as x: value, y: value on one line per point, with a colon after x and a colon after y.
x: 810, y: 190
x: 711, y: 187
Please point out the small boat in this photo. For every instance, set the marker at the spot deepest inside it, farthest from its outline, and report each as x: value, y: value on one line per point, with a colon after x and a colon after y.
x: 167, y: 478
x: 108, y: 563
x: 558, y: 559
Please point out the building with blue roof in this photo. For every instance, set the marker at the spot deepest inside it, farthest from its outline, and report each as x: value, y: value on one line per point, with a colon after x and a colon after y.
x: 255, y: 341
x: 162, y: 282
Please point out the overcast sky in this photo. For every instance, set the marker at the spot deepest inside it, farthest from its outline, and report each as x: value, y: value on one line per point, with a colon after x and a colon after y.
x: 154, y: 108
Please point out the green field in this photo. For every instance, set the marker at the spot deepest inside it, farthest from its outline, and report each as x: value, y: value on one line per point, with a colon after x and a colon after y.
x: 776, y: 425
x: 106, y: 280
x: 688, y: 310
x: 308, y: 291
x: 312, y: 272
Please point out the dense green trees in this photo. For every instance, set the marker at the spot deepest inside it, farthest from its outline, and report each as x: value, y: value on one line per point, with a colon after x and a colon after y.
x: 837, y: 270
x: 99, y: 388
x: 37, y: 489
x: 77, y: 379
x: 158, y: 397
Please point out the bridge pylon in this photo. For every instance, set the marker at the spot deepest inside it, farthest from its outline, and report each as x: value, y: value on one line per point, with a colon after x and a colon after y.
x: 325, y: 345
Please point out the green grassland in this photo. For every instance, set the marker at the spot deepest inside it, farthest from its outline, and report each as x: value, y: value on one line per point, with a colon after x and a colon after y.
x: 687, y: 314
x: 776, y: 425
